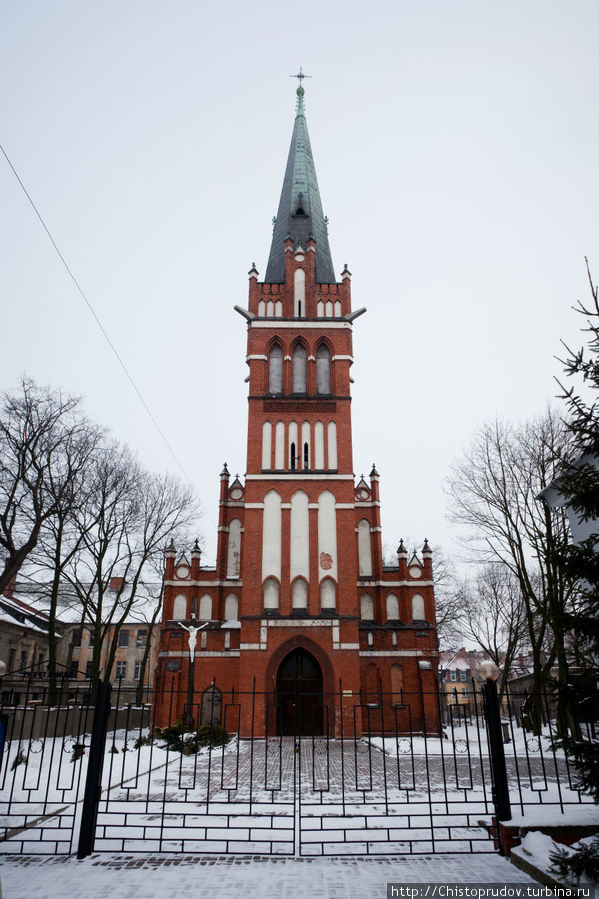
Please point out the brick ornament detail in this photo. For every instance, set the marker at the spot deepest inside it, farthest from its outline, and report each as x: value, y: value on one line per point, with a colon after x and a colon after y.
x: 326, y: 561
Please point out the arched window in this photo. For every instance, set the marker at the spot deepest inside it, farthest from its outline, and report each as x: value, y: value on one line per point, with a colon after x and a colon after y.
x: 366, y: 608
x: 323, y: 369
x: 397, y: 694
x: 231, y: 607
x: 271, y: 594
x: 327, y: 594
x: 275, y: 370
x: 299, y: 369
x: 392, y: 608
x: 205, y: 613
x: 180, y: 607
x: 299, y: 594
x: 418, y: 608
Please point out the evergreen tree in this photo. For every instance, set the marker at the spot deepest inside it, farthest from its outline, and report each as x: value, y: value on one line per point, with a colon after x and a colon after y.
x: 579, y: 487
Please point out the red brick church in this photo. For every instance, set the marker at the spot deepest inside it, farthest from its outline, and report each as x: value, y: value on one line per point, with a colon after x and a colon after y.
x: 300, y: 608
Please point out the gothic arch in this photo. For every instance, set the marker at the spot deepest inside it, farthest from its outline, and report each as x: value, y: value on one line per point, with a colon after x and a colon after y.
x: 301, y: 642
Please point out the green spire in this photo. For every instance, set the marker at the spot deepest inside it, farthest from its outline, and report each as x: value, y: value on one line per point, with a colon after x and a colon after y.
x: 300, y: 213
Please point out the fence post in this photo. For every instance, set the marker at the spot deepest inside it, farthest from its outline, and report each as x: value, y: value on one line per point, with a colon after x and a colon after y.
x: 501, y: 793
x: 93, y: 781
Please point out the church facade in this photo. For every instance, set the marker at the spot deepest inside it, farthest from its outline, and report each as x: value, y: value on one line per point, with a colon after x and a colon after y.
x: 299, y: 610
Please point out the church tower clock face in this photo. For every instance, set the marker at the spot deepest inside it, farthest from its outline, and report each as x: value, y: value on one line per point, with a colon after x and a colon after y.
x: 299, y: 600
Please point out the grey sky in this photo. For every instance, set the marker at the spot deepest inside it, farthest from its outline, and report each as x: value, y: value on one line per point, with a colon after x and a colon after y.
x: 456, y: 150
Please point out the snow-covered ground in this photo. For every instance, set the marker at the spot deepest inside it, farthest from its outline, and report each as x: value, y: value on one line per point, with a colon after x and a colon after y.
x: 189, y: 877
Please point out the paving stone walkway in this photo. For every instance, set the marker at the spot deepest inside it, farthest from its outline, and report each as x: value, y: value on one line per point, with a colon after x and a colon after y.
x: 198, y: 877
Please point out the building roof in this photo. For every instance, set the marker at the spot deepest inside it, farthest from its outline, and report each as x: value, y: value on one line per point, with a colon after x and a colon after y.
x: 300, y: 213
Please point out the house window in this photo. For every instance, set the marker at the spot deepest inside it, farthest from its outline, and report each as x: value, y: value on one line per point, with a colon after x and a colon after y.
x: 275, y: 370
x: 142, y: 637
x: 137, y: 670
x: 323, y: 370
x: 76, y: 638
x: 92, y: 638
x: 453, y: 675
x: 12, y: 654
x: 123, y: 638
x: 88, y: 669
x: 121, y: 669
x: 74, y: 670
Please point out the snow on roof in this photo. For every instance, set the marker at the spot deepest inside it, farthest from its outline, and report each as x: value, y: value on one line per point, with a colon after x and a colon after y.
x: 36, y: 599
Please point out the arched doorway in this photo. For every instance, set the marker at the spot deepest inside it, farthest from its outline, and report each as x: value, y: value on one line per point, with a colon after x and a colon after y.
x: 299, y: 695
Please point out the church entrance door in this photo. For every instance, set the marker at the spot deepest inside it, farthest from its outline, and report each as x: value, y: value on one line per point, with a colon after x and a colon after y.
x: 299, y: 695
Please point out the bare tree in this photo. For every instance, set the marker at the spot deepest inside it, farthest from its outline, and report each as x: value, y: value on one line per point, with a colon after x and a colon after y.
x: 492, y: 614
x: 120, y: 534
x: 40, y: 438
x: 493, y: 492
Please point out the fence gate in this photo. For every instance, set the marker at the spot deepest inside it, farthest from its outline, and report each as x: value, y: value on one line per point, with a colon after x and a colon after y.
x: 43, y: 765
x: 277, y: 789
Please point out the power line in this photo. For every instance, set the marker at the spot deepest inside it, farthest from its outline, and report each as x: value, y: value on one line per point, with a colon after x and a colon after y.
x: 98, y: 322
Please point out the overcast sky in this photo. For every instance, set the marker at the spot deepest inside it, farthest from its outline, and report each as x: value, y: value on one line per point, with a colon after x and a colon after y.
x: 456, y: 147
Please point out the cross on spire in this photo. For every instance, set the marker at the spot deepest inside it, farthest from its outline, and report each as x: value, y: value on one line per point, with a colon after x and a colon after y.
x: 300, y: 76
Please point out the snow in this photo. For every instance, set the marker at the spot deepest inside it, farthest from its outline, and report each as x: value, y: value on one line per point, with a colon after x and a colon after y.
x: 536, y: 848
x: 183, y: 877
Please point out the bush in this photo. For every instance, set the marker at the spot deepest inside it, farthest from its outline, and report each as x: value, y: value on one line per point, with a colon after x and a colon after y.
x: 189, y: 742
x: 582, y: 859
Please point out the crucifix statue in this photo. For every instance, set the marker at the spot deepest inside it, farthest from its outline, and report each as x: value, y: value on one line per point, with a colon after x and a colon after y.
x: 193, y: 637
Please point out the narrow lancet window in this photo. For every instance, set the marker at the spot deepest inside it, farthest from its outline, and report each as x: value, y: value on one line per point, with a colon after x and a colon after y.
x: 323, y: 370
x: 299, y: 370
x: 275, y: 370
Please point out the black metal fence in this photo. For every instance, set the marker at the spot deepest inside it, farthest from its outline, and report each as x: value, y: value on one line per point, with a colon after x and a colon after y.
x: 346, y: 774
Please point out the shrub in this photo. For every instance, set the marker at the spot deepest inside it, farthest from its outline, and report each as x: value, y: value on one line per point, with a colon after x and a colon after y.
x: 582, y: 859
x: 189, y: 742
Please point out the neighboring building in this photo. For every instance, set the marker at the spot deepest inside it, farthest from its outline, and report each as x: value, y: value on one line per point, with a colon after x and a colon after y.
x: 299, y: 599
x: 23, y: 633
x: 24, y: 636
x: 579, y: 530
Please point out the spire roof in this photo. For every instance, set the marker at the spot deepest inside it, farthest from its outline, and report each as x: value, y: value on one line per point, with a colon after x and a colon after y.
x: 300, y: 213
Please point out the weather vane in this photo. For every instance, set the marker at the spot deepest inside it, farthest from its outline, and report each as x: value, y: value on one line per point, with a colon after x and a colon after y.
x: 300, y: 76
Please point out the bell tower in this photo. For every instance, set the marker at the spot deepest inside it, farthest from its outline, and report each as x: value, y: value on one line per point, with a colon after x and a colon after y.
x: 299, y: 594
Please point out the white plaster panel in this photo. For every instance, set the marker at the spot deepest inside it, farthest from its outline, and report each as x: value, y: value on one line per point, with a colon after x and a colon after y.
x: 234, y: 548
x: 300, y: 547
x: 319, y: 445
x: 299, y: 594
x: 271, y: 535
x: 364, y: 549
x: 179, y: 607
x: 231, y: 608
x: 392, y: 607
x: 279, y: 446
x: 327, y: 536
x: 267, y: 445
x: 205, y: 611
x: 332, y: 440
x: 418, y: 607
x: 299, y: 289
